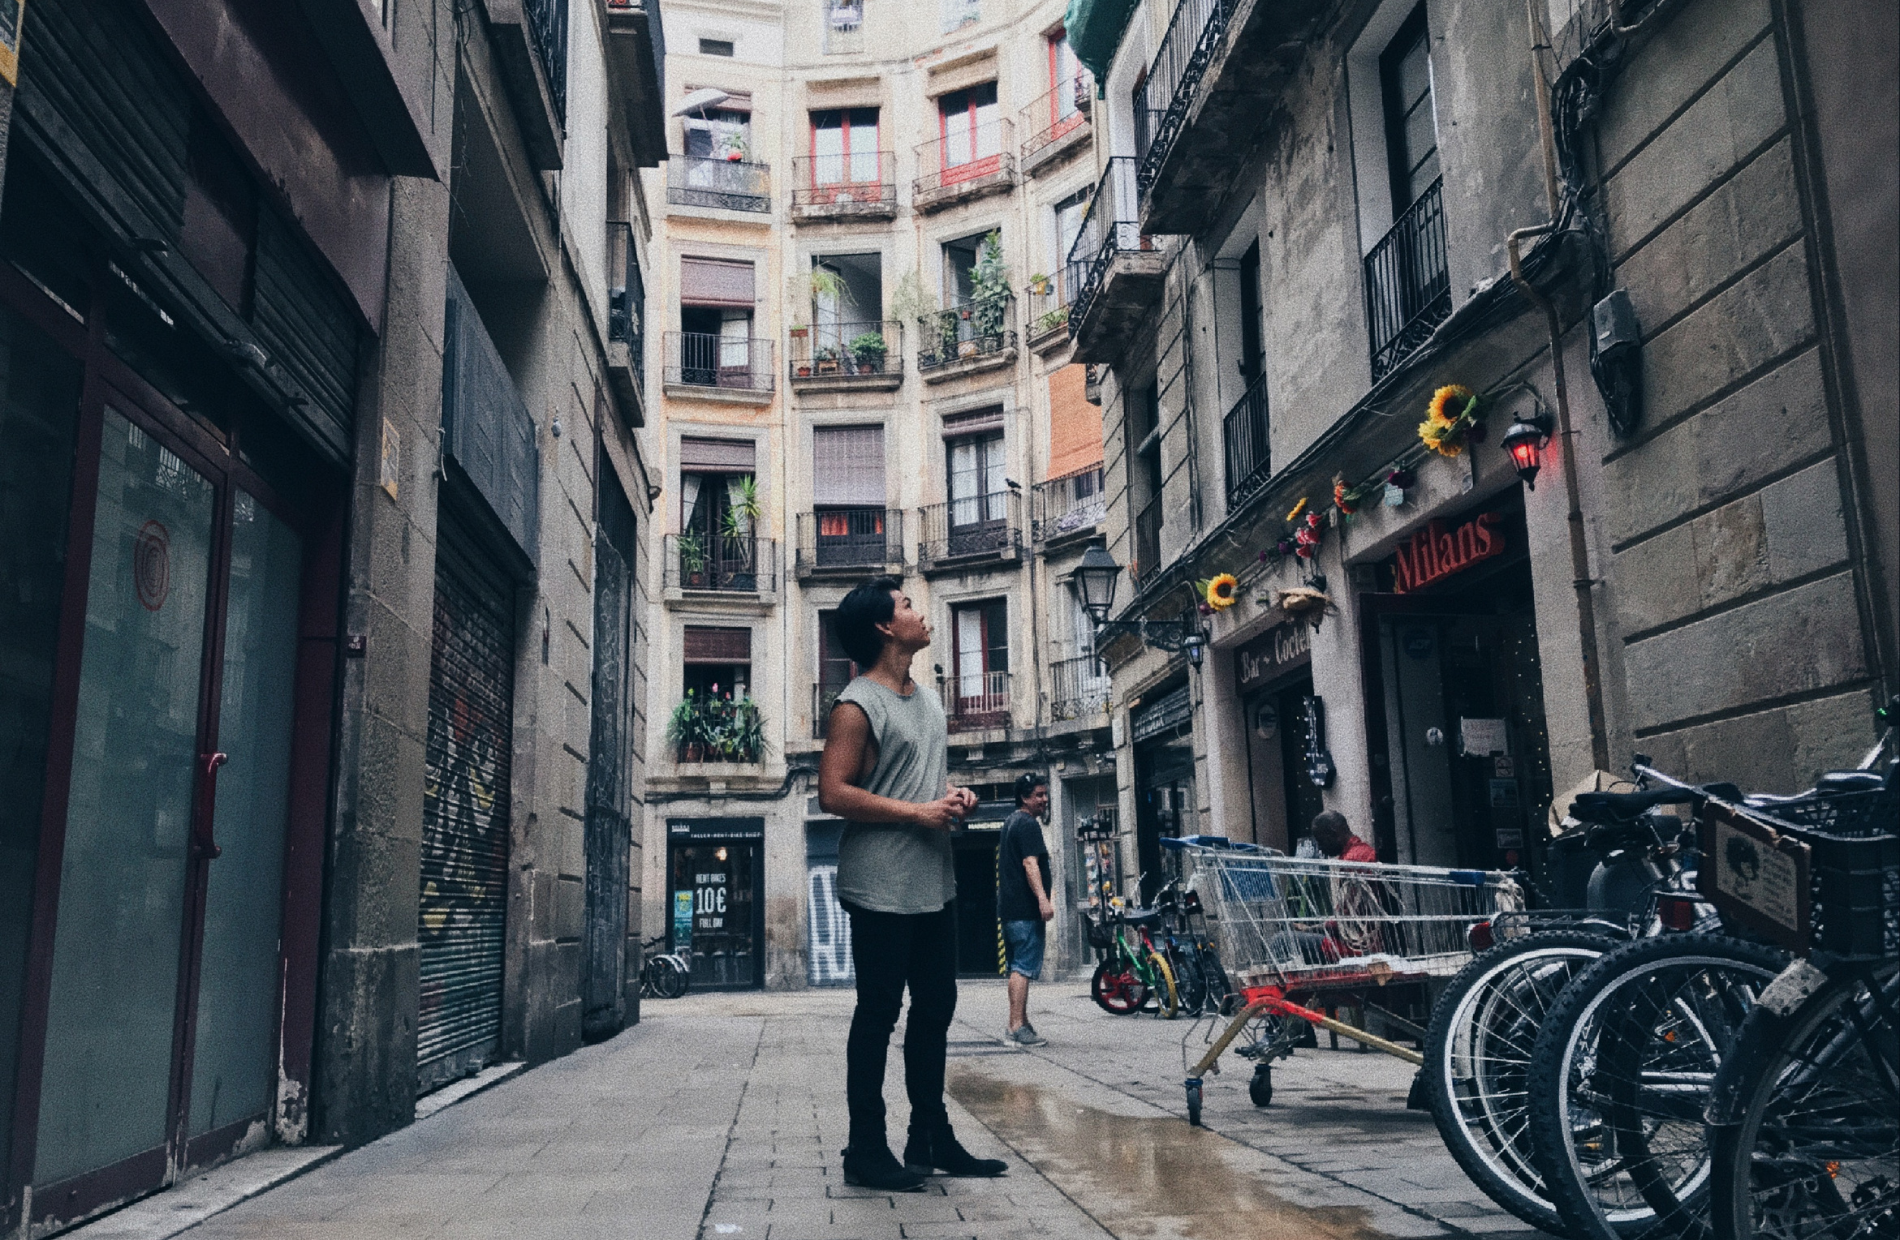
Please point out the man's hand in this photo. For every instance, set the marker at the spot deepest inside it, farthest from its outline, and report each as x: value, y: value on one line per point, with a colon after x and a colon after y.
x: 1047, y: 909
x: 943, y: 814
x: 963, y: 796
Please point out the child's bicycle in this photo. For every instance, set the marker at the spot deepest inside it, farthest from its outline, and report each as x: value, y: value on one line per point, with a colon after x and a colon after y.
x: 663, y: 975
x: 1133, y: 970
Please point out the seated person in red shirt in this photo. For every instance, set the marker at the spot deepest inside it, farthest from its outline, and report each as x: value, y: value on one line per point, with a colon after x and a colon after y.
x: 1334, y: 836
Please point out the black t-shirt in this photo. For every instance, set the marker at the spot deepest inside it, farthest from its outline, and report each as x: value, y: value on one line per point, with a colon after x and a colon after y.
x: 1022, y: 837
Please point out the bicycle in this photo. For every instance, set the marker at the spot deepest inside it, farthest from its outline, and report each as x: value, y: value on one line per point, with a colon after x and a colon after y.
x: 1132, y: 972
x: 663, y: 975
x: 1199, y: 976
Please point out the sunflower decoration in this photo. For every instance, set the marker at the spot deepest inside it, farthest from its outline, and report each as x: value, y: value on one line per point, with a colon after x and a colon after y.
x: 1451, y: 420
x: 1219, y: 591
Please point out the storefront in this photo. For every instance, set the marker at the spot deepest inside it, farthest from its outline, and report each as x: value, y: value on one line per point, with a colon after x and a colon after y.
x: 1273, y: 677
x: 1455, y: 719
x: 1162, y: 729
x: 717, y: 884
x: 979, y: 933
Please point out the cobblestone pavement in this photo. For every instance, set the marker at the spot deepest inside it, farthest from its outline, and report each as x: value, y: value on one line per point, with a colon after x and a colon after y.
x: 723, y: 1116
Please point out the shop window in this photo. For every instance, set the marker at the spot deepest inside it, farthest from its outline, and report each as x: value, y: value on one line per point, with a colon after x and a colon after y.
x: 844, y: 147
x: 970, y: 126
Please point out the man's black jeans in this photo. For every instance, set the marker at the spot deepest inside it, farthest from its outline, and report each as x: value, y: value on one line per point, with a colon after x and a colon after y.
x: 890, y: 951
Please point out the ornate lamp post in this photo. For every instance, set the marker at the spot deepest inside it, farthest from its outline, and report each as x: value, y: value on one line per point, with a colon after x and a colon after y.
x: 1094, y: 584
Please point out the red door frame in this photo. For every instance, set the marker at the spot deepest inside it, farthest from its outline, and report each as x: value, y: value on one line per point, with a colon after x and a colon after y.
x: 1059, y: 125
x: 317, y: 516
x: 957, y: 174
x: 824, y: 193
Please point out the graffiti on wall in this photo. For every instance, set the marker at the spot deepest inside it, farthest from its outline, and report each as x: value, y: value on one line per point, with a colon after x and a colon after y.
x: 829, y: 931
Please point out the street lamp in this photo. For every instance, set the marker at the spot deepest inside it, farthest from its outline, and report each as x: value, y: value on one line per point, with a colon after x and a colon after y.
x: 1094, y: 584
x: 1526, y: 438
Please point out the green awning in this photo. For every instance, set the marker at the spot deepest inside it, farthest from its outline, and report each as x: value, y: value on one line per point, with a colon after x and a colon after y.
x: 1095, y: 29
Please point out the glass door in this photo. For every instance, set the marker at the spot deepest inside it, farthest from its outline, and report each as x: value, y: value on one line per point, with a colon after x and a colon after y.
x: 716, y: 884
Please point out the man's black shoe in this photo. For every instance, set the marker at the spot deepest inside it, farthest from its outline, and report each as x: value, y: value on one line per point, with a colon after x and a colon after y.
x: 927, y: 1153
x: 875, y: 1167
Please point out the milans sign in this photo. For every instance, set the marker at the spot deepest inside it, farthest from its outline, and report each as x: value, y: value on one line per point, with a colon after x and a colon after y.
x: 1436, y: 552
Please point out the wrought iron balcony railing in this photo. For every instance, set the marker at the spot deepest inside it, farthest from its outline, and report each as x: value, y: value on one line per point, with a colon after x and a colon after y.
x: 977, y: 700
x: 1408, y: 286
x: 1058, y: 112
x: 977, y: 328
x: 547, y: 22
x: 1244, y: 434
x: 848, y: 352
x: 954, y: 15
x: 857, y: 183
x: 730, y: 564
x: 1072, y: 504
x: 1110, y: 225
x: 626, y: 296
x: 976, y: 527
x: 978, y: 157
x: 1078, y: 686
x: 1167, y: 95
x: 844, y: 27
x: 701, y: 359
x: 849, y: 541
x: 1046, y: 307
x: 729, y: 184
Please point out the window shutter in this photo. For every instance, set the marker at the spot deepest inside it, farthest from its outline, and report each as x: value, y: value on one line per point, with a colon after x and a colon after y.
x: 709, y: 645
x: 716, y: 282
x: 975, y: 423
x: 717, y: 455
x: 848, y: 466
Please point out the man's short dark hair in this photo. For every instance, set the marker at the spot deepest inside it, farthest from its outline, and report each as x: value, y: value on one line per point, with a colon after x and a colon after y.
x: 1027, y: 783
x: 855, y: 622
x: 1331, y: 824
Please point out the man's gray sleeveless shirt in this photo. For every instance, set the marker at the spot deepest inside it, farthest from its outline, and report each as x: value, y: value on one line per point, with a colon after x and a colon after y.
x: 893, y: 867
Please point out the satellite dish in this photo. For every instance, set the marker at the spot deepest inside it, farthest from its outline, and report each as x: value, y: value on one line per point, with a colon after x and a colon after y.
x: 704, y: 97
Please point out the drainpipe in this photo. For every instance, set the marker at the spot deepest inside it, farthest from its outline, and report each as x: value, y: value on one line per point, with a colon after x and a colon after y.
x: 1579, y: 544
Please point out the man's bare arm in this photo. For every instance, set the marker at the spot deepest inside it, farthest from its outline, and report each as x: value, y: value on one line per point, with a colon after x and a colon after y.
x: 1043, y: 902
x: 847, y: 741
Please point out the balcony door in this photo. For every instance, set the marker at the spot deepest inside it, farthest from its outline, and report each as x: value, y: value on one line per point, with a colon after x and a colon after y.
x: 969, y: 124
x: 979, y: 498
x: 844, y: 150
x: 848, y: 495
x: 1411, y: 128
x: 981, y: 631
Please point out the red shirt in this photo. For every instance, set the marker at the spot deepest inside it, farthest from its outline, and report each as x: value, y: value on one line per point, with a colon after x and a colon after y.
x: 1359, y: 850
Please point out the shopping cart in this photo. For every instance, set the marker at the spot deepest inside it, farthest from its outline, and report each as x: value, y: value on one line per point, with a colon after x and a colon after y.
x: 1294, y: 932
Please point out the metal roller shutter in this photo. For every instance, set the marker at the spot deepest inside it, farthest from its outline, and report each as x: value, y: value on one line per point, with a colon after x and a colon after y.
x: 465, y: 819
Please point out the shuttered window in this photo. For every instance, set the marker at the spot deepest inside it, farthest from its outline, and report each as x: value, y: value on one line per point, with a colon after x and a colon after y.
x: 848, y: 466
x: 718, y: 455
x: 973, y: 423
x: 725, y: 646
x: 716, y: 282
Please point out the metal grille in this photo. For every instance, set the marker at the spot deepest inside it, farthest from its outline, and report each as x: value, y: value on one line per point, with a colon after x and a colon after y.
x: 729, y: 184
x: 702, y: 359
x: 1078, y: 687
x: 971, y: 328
x: 1044, y: 122
x: 843, y: 185
x: 1408, y: 287
x: 981, y: 526
x: 1110, y: 226
x: 1073, y: 504
x: 847, y: 351
x: 977, y: 701
x: 982, y: 157
x: 626, y: 296
x: 850, y: 540
x: 465, y: 814
x: 547, y: 20
x: 1194, y: 35
x: 736, y: 564
x: 1244, y: 432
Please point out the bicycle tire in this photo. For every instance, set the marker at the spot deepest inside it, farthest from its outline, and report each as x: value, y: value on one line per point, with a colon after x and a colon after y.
x: 1478, y: 1057
x: 1188, y: 980
x: 1620, y: 1078
x: 673, y: 979
x: 1165, y: 993
x: 1775, y: 1178
x: 1116, y: 987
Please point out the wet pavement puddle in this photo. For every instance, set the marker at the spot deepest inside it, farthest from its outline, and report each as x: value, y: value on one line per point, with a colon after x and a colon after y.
x: 1147, y: 1177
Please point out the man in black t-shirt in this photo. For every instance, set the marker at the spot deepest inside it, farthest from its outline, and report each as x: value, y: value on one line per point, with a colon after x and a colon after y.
x: 1022, y: 900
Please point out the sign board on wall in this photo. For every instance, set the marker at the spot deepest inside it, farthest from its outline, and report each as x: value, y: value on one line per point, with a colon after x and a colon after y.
x: 1279, y: 649
x: 12, y: 17
x: 1438, y: 551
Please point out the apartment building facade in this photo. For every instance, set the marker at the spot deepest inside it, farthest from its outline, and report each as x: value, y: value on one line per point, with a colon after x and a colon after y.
x: 1629, y: 235
x: 866, y: 371
x: 325, y: 483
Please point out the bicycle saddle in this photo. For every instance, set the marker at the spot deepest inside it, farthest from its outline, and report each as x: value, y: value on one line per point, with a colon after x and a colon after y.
x: 1141, y: 916
x: 1620, y: 806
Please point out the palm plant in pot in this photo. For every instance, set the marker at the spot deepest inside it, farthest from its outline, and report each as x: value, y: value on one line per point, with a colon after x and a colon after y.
x: 989, y: 294
x: 686, y: 729
x: 738, y: 529
x: 692, y: 553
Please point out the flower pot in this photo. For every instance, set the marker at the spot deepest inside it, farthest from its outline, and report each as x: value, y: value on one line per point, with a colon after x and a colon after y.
x: 966, y: 348
x: 696, y: 581
x: 804, y: 372
x: 693, y: 751
x: 827, y: 368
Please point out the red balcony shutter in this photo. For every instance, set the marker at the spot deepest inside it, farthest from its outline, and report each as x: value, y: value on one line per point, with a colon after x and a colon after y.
x: 716, y: 282
x: 848, y: 466
x: 723, y: 646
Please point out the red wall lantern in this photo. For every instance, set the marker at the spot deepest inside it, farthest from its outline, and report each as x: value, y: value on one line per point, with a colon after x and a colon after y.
x: 1525, y: 441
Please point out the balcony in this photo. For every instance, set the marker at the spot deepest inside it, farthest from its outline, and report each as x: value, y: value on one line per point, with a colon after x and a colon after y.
x: 716, y: 730
x: 977, y: 701
x: 1408, y: 289
x: 530, y: 42
x: 721, y: 563
x: 845, y: 357
x: 844, y: 27
x: 1078, y: 687
x: 725, y: 184
x: 970, y: 533
x: 1046, y: 306
x: 1244, y: 435
x: 636, y: 57
x: 842, y: 188
x: 1207, y: 92
x: 849, y: 542
x: 971, y: 336
x: 962, y: 166
x: 1115, y: 269
x: 1067, y: 507
x: 626, y: 323
x: 736, y: 369
x: 1057, y: 123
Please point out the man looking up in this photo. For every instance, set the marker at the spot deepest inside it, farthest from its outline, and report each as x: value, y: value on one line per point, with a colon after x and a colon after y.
x: 1334, y: 836
x: 884, y: 771
x: 1022, y: 900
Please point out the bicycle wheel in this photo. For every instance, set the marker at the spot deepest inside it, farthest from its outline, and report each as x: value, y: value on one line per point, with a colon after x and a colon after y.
x: 1188, y: 980
x: 673, y: 978
x: 1478, y: 1059
x: 1816, y: 1151
x: 1166, y: 994
x: 1620, y: 1077
x: 1116, y: 987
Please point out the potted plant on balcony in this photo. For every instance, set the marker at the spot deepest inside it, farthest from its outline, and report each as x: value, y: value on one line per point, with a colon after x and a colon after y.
x: 989, y: 294
x: 741, y: 731
x: 738, y: 530
x: 686, y: 729
x: 692, y: 552
x: 827, y: 360
x: 1039, y: 284
x: 868, y: 350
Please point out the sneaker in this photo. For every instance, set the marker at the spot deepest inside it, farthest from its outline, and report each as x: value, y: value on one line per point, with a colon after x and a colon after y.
x: 927, y: 1153
x: 1025, y: 1035
x: 876, y: 1167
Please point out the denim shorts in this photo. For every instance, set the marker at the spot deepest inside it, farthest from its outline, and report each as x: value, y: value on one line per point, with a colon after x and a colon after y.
x: 1024, y: 940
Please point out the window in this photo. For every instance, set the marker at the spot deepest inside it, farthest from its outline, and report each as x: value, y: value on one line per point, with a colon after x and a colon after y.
x: 1252, y: 349
x: 848, y: 494
x: 970, y: 126
x: 715, y: 47
x: 718, y: 493
x: 1068, y: 225
x: 1411, y: 132
x: 956, y: 14
x: 978, y: 493
x: 1145, y: 478
x: 1065, y: 71
x: 844, y: 147
x: 716, y: 301
x: 718, y: 662
x: 844, y: 26
x: 719, y: 133
x: 835, y: 668
x: 981, y: 679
